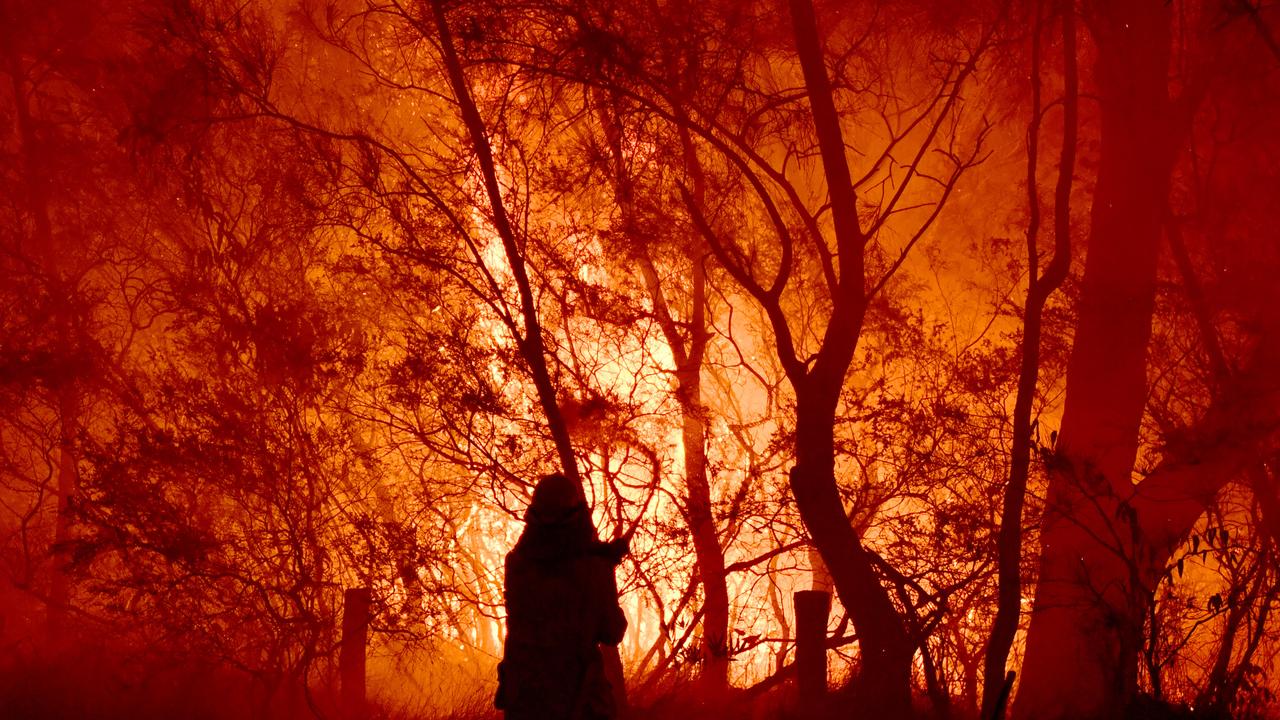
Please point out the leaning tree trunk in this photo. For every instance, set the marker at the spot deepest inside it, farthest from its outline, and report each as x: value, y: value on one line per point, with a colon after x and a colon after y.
x: 532, y: 347
x: 1087, y: 617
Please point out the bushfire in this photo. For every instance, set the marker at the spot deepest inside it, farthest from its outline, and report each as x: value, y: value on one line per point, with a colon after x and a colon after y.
x: 639, y: 359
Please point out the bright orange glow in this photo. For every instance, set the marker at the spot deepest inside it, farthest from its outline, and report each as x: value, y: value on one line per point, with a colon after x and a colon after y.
x: 963, y: 316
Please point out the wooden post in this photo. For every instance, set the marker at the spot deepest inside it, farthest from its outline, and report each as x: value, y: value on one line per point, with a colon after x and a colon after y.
x: 812, y: 609
x: 351, y: 654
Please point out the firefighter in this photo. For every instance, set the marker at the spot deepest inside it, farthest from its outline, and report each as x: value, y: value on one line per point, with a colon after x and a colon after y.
x: 562, y: 604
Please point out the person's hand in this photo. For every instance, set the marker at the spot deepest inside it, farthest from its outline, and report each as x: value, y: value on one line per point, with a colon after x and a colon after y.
x: 620, y: 547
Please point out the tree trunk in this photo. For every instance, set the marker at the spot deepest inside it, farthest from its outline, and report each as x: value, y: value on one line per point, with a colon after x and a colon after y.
x: 531, y: 345
x: 706, y: 541
x: 66, y: 395
x: 708, y: 553
x: 1087, y: 617
x: 702, y: 522
x: 883, y: 684
x: 688, y: 353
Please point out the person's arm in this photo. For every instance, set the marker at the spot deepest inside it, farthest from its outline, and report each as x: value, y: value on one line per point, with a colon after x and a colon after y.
x: 613, y: 623
x: 613, y: 550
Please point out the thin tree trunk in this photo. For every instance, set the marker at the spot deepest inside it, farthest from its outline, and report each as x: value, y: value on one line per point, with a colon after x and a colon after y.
x: 1009, y: 607
x: 706, y: 541
x: 66, y: 393
x: 688, y: 354
x: 531, y: 344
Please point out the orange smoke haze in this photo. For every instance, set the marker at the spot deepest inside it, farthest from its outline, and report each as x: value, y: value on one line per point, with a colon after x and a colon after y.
x: 963, y: 316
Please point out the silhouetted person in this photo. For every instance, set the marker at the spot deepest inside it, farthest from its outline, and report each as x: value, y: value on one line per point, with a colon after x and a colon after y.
x: 562, y: 602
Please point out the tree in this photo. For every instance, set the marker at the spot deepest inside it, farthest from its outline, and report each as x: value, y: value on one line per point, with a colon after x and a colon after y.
x: 996, y: 687
x: 884, y: 680
x: 1105, y: 539
x: 65, y: 250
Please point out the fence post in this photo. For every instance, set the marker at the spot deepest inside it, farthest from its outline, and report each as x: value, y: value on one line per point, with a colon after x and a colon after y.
x: 351, y: 653
x: 812, y: 609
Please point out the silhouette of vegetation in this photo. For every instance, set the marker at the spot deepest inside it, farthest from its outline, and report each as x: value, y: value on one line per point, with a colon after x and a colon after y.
x: 963, y: 314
